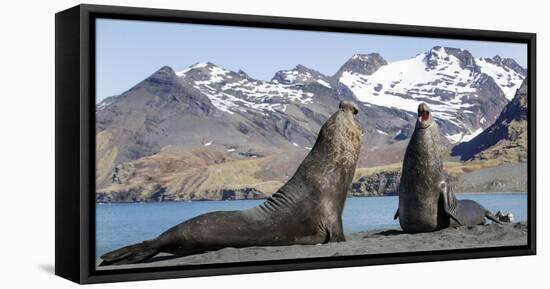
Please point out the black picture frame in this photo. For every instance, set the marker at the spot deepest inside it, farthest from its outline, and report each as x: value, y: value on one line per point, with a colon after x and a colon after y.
x: 75, y: 142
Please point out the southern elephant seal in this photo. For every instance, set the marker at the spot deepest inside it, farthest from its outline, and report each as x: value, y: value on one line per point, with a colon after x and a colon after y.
x: 426, y: 199
x: 306, y: 210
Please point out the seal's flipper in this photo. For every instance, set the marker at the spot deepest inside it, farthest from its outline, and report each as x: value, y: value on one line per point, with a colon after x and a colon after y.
x: 396, y: 215
x: 454, y: 217
x: 130, y: 254
x: 492, y: 217
x: 449, y: 202
x: 334, y: 235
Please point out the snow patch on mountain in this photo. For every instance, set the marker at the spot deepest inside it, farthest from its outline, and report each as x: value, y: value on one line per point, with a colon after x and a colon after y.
x: 291, y: 75
x: 405, y: 84
x: 104, y: 103
x: 300, y: 75
x: 231, y: 92
x: 217, y: 75
x: 194, y: 66
x: 451, y: 81
x: 507, y: 79
x: 230, y: 103
x: 454, y: 138
x: 324, y: 83
x: 470, y: 136
x: 256, y: 90
x: 360, y: 57
x: 461, y: 137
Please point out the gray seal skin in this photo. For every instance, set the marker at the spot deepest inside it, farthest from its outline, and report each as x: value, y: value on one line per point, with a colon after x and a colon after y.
x: 306, y: 210
x: 426, y: 200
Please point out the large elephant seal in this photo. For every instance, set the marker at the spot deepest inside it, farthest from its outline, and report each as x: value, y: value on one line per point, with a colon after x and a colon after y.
x: 306, y: 210
x: 426, y: 200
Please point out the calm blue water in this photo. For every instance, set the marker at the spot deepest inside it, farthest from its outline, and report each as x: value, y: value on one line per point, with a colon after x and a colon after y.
x: 119, y: 225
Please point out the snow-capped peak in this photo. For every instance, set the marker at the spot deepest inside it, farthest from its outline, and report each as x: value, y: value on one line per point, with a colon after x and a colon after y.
x: 206, y: 73
x: 299, y: 75
x: 390, y: 83
x: 509, y: 80
x: 444, y: 78
x: 194, y: 66
x: 203, y: 67
x: 451, y: 81
x: 506, y: 62
x: 360, y: 57
x: 292, y: 76
x: 439, y: 57
x: 232, y: 92
x: 454, y: 84
x: 365, y: 64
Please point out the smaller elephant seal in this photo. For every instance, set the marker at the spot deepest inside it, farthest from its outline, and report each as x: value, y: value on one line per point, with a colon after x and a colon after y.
x: 426, y: 200
x: 505, y: 218
x: 305, y: 210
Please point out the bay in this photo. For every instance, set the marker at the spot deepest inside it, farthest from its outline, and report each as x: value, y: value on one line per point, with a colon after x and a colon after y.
x: 121, y: 224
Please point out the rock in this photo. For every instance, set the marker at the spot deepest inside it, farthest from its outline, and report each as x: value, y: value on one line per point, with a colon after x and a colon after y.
x: 466, y: 59
x: 362, y: 64
x: 242, y: 194
x: 379, y: 184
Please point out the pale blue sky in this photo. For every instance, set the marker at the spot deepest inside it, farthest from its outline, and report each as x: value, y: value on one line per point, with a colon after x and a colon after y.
x: 128, y: 51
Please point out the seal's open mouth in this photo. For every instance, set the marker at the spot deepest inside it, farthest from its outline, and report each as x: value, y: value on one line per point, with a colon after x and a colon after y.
x: 424, y: 116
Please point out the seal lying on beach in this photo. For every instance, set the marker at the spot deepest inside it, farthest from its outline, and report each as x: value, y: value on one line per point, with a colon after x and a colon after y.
x: 306, y: 210
x: 426, y: 201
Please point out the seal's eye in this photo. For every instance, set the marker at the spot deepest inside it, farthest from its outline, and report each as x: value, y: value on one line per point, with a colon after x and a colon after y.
x: 355, y: 110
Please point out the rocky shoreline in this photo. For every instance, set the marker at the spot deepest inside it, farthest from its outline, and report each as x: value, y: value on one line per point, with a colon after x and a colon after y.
x: 505, y: 178
x: 350, y: 195
x: 362, y: 243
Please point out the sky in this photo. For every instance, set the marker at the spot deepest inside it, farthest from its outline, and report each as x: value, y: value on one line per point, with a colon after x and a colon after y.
x: 128, y: 51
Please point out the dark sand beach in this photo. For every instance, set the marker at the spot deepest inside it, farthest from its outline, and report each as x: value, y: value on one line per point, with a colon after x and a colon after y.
x: 363, y: 243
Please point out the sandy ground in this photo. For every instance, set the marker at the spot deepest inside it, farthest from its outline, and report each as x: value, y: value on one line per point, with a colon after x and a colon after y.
x: 364, y: 243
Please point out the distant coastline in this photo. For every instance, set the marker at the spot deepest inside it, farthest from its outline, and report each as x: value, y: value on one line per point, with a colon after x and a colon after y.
x: 468, y: 177
x: 260, y: 199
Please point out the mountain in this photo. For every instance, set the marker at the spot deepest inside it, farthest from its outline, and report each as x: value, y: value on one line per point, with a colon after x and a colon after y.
x: 465, y: 99
x: 505, y: 71
x: 506, y: 139
x: 302, y: 75
x: 365, y: 64
x: 207, y: 122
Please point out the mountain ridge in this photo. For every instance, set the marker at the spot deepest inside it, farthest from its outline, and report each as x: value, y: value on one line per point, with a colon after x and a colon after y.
x: 506, y: 138
x: 237, y: 118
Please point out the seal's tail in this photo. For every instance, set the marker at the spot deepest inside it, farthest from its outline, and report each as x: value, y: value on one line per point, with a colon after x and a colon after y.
x: 130, y: 254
